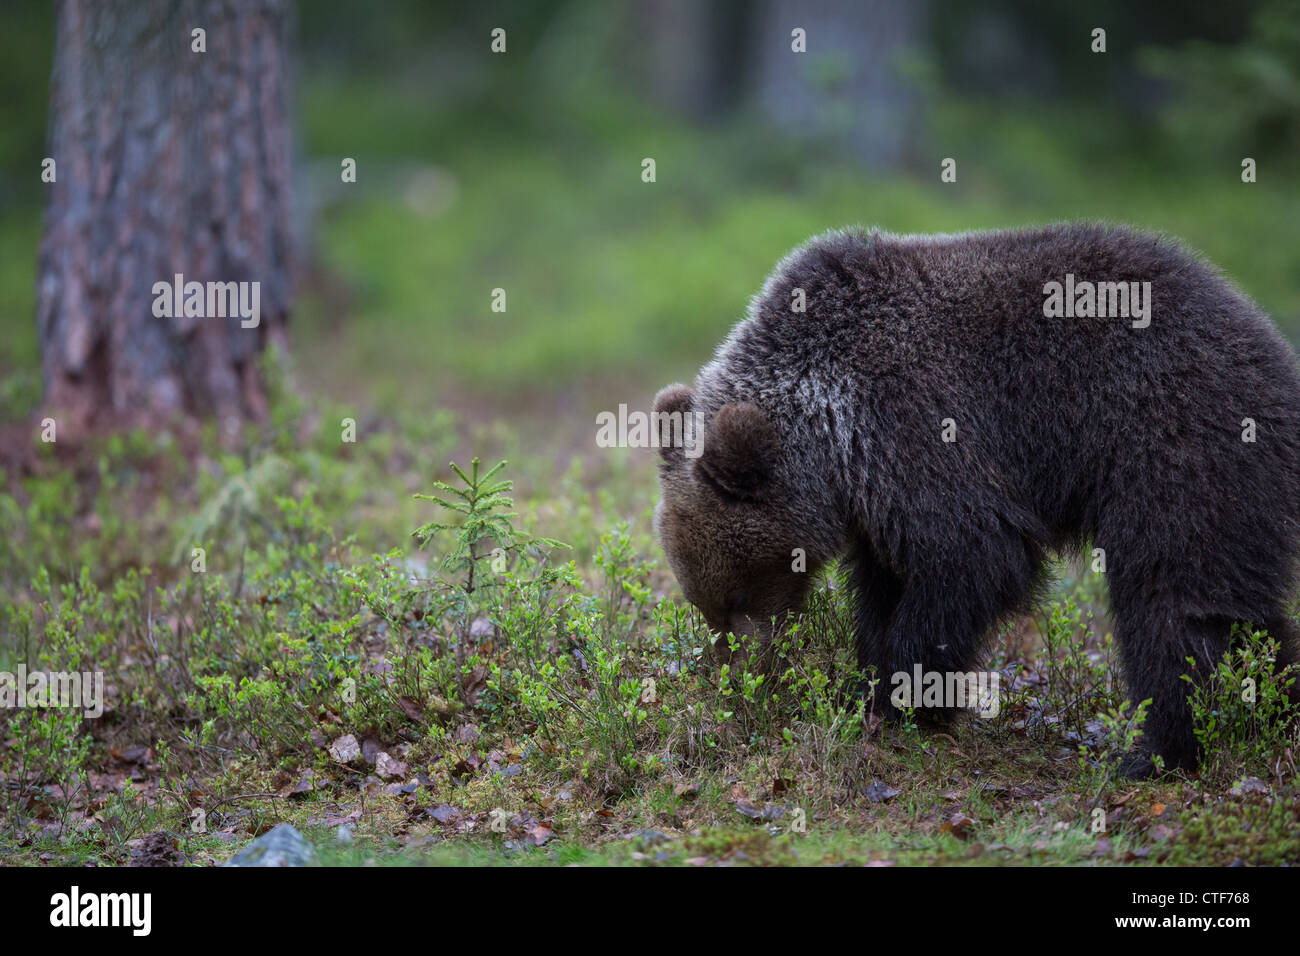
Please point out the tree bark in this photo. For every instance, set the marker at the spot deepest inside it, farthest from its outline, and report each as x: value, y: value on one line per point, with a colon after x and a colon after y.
x: 168, y: 161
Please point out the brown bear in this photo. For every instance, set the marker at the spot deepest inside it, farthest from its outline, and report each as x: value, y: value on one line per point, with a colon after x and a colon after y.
x: 943, y: 413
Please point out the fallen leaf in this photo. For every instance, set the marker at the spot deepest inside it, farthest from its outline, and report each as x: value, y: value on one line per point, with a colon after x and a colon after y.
x: 345, y: 749
x: 305, y: 784
x: 138, y: 754
x: 959, y: 825
x: 1248, y: 785
x: 879, y: 792
x: 389, y: 768
x: 467, y: 767
x: 475, y: 683
x: 411, y: 708
x: 539, y: 834
x: 444, y: 813
x: 467, y: 734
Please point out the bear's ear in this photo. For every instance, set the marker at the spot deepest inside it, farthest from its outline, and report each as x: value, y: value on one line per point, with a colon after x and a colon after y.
x: 673, y: 400
x: 740, y: 450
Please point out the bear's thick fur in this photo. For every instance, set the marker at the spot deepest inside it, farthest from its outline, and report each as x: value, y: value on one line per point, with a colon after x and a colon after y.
x: 824, y: 430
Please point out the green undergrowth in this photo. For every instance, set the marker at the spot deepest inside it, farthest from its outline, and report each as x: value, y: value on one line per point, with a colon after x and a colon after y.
x: 462, y: 670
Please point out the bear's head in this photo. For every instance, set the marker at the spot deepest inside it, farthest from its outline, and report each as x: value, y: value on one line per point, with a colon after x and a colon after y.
x: 730, y: 527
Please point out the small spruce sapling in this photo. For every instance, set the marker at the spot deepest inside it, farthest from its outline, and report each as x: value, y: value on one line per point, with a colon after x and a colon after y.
x: 484, y: 537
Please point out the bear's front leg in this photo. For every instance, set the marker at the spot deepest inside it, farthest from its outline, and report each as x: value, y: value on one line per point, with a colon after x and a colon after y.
x: 876, y: 593
x: 927, y: 651
x: 939, y: 620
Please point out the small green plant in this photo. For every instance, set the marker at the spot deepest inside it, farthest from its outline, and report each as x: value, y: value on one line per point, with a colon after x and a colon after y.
x: 49, y: 750
x: 1081, y: 679
x: 47, y: 761
x: 125, y: 816
x: 535, y: 614
x: 485, y: 504
x: 1121, y: 726
x: 1241, y: 711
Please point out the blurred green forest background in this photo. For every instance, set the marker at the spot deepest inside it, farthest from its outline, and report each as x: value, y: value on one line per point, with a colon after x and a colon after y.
x: 523, y: 171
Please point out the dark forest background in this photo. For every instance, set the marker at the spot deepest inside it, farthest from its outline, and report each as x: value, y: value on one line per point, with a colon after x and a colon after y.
x: 523, y: 171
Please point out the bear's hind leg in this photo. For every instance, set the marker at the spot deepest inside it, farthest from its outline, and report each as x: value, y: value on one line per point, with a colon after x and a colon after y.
x: 1283, y: 629
x: 1155, y: 644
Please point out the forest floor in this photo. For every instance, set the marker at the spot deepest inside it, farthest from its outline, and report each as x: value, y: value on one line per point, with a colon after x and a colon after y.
x: 315, y: 666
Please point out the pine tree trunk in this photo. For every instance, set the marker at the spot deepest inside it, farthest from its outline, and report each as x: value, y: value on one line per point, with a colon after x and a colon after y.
x: 168, y: 162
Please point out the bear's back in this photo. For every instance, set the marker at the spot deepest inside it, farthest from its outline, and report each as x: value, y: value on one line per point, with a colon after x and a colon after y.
x: 966, y: 313
x: 901, y: 334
